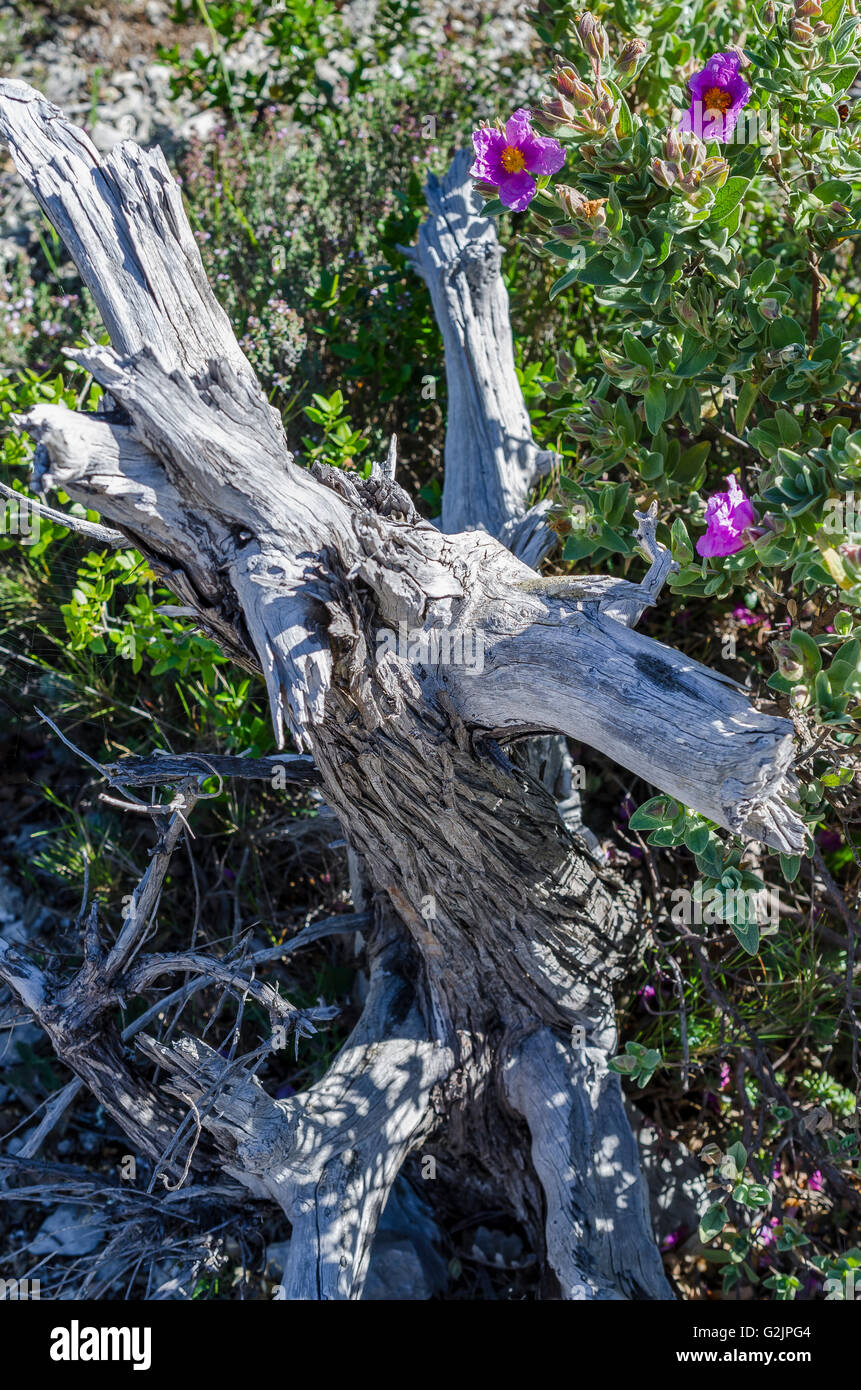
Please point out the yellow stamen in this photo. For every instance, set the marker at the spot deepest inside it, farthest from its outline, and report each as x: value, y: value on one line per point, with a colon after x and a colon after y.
x: 513, y: 159
x: 716, y: 99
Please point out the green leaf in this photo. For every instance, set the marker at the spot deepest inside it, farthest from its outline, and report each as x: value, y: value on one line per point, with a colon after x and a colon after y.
x: 758, y: 1196
x: 713, y: 1222
x: 626, y: 267
x: 747, y: 934
x: 652, y: 466
x: 785, y: 332
x: 578, y: 547
x: 683, y: 552
x: 745, y: 403
x: 833, y: 191
x: 697, y: 839
x: 656, y: 406
x: 690, y: 467
x: 832, y: 11
x: 729, y: 196
x: 637, y: 352
x: 694, y: 362
x: 732, y: 220
x: 790, y: 865
x: 763, y: 275
x: 790, y: 429
x: 660, y: 810
x: 598, y: 271
x: 710, y: 863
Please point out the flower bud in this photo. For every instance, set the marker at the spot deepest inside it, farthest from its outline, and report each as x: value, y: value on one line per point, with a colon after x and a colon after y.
x: 571, y: 85
x: 605, y: 111
x: 693, y: 149
x: 663, y: 173
x: 768, y: 14
x: 770, y: 309
x: 822, y: 30
x: 601, y: 408
x: 688, y: 315
x: 578, y: 206
x: 840, y: 209
x: 798, y: 696
x: 557, y: 111
x: 673, y: 145
x: 570, y: 200
x: 808, y: 9
x: 715, y: 172
x: 788, y: 664
x: 800, y: 31
x: 627, y: 61
x: 743, y: 60
x: 565, y: 232
x: 593, y: 37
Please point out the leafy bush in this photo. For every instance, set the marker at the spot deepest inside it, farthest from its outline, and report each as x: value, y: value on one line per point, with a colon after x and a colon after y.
x: 705, y: 254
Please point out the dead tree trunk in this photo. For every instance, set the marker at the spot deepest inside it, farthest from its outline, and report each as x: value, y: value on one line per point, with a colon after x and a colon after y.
x: 496, y: 931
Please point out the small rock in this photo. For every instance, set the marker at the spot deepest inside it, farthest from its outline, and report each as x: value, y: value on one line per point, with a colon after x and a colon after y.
x: 70, y: 1230
x: 396, y: 1273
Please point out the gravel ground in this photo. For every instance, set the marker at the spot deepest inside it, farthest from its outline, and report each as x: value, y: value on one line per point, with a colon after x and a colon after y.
x: 99, y: 63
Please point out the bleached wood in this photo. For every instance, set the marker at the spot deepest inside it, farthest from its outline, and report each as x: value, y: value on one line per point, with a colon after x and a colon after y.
x: 491, y: 460
x: 598, y: 1230
x: 330, y: 1155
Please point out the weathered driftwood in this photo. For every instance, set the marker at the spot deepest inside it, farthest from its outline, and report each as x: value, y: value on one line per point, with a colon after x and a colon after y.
x: 491, y: 461
x: 496, y: 934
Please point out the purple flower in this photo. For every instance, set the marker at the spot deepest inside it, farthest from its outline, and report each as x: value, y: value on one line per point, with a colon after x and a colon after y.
x: 509, y: 160
x: 728, y: 515
x: 814, y: 1182
x: 719, y: 92
x: 673, y: 1238
x: 724, y: 1076
x: 829, y: 841
x: 744, y: 616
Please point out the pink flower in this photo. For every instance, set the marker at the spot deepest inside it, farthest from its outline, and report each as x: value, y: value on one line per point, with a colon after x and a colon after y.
x: 814, y: 1182
x: 719, y: 93
x: 728, y: 515
x: 509, y: 160
x: 724, y: 1076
